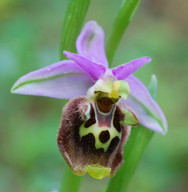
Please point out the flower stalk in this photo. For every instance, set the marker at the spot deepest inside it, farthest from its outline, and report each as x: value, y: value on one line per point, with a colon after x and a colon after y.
x: 70, y: 182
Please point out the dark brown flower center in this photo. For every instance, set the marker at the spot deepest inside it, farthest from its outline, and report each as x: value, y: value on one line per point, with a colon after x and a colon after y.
x: 105, y: 104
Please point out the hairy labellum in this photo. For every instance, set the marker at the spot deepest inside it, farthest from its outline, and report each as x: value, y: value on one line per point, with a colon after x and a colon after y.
x: 92, y: 135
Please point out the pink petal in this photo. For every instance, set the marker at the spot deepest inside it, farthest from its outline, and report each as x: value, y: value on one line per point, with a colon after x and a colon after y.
x: 94, y: 70
x: 90, y: 43
x: 127, y: 69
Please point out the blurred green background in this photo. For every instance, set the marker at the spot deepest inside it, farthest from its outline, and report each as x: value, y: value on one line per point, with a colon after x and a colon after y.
x: 29, y: 39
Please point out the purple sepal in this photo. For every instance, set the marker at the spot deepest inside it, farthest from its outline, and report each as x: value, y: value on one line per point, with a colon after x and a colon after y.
x: 90, y: 43
x: 61, y: 80
x: 145, y: 108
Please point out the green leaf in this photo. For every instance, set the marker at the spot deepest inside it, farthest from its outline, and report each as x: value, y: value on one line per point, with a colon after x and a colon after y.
x: 72, y: 25
x: 122, y: 20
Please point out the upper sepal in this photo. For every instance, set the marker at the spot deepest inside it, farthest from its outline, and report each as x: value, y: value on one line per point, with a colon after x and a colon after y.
x: 90, y: 43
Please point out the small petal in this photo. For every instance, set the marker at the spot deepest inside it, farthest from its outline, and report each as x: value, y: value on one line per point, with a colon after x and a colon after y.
x: 93, y: 69
x: 145, y: 108
x: 62, y: 80
x: 123, y: 71
x: 90, y: 43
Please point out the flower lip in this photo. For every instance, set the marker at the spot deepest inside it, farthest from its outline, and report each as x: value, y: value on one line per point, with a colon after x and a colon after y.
x: 84, y: 147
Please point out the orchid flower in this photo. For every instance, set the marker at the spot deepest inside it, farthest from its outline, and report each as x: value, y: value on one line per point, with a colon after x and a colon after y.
x: 104, y: 104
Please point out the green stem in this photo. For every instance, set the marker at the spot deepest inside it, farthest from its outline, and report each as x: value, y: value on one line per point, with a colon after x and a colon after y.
x: 73, y: 21
x: 70, y: 181
x: 133, y: 151
x: 122, y: 20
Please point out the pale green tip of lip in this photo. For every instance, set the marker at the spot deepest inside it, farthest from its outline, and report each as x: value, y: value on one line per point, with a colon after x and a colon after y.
x: 98, y: 172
